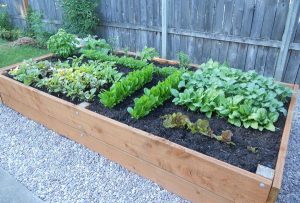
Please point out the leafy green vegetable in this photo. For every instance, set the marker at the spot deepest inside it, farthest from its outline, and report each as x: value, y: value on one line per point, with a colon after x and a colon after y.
x: 165, y: 71
x: 179, y: 120
x: 128, y: 62
x: 246, y: 99
x: 148, y: 54
x: 184, y: 60
x: 99, y: 45
x: 30, y: 72
x: 154, y: 97
x: 124, y: 88
x: 80, y: 81
x: 62, y: 43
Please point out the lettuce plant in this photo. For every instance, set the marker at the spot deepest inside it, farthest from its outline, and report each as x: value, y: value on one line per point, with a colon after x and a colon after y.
x: 128, y: 85
x: 201, y: 126
x: 154, y: 97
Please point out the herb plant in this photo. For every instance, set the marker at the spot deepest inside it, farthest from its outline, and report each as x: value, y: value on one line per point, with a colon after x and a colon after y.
x: 62, y: 43
x: 154, y: 97
x: 125, y: 87
x: 244, y: 98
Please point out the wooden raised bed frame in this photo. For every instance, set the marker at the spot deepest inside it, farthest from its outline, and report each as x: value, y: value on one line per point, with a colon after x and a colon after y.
x: 190, y: 174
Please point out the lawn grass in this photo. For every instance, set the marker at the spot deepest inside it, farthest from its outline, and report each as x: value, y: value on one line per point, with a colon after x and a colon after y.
x: 11, y: 55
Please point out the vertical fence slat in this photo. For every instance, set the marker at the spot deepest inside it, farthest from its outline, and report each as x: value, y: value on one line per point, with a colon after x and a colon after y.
x: 286, y: 39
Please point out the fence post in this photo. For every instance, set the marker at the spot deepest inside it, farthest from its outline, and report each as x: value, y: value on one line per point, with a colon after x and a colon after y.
x: 25, y: 6
x: 164, y: 27
x: 286, y: 39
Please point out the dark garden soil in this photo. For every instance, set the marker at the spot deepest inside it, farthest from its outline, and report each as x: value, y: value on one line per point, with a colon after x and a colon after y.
x: 267, y: 142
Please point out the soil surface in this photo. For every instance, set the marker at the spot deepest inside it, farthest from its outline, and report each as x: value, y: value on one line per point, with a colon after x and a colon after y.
x: 266, y: 142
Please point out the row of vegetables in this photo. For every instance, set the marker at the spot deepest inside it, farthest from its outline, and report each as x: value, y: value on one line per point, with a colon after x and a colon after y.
x: 244, y: 98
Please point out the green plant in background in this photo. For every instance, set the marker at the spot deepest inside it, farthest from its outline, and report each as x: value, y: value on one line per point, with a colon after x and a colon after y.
x: 184, y: 60
x: 154, y: 97
x: 80, y: 16
x: 126, y: 61
x: 62, y: 43
x: 7, y: 31
x: 124, y: 88
x: 35, y: 27
x: 148, y: 54
x: 201, y: 126
x: 4, y: 18
x: 99, y: 45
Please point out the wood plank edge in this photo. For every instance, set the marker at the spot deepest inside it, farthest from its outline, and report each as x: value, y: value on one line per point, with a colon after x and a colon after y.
x: 276, y: 185
x: 168, y: 180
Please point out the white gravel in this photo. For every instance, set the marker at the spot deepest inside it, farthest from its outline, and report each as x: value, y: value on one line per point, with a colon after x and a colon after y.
x: 59, y: 170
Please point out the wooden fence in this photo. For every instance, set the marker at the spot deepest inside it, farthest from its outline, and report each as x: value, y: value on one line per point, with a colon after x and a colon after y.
x: 260, y: 35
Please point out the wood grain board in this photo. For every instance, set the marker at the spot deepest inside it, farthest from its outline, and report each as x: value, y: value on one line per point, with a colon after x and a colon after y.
x: 158, y: 159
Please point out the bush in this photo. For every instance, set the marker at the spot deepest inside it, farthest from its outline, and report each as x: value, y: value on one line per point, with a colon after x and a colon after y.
x: 80, y: 16
x: 62, y: 43
x: 4, y: 18
x: 35, y: 27
x: 9, y: 35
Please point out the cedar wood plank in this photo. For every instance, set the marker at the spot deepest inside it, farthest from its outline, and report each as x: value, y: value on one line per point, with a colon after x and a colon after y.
x: 209, y: 173
x: 283, y: 149
x: 164, y: 178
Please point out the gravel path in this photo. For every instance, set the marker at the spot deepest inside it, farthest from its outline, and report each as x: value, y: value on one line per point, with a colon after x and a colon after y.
x: 59, y: 170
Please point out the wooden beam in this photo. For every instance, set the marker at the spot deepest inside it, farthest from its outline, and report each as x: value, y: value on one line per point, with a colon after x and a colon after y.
x: 287, y: 39
x: 276, y: 185
x: 164, y: 28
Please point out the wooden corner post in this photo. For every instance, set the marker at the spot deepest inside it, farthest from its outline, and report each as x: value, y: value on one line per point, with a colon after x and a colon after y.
x: 287, y: 39
x: 164, y: 28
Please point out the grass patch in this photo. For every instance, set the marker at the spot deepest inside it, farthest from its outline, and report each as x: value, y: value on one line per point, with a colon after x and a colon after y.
x: 11, y: 55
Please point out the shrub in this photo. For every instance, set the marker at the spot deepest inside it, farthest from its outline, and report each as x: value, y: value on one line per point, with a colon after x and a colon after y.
x: 4, y: 18
x: 35, y: 27
x: 80, y: 16
x: 62, y: 43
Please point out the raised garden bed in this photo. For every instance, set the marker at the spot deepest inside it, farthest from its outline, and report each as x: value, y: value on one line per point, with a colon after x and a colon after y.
x: 188, y: 173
